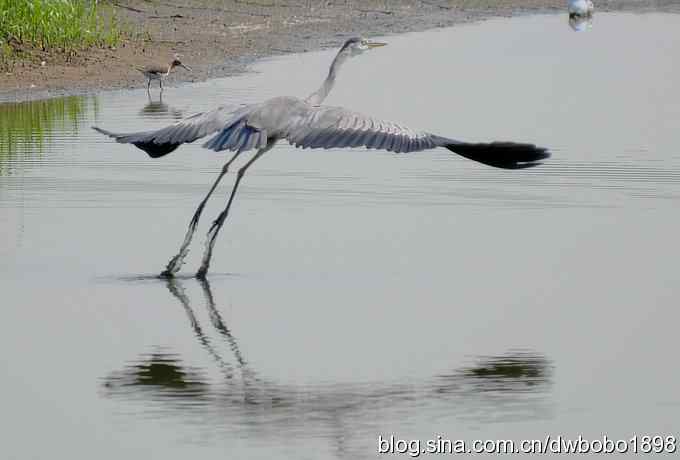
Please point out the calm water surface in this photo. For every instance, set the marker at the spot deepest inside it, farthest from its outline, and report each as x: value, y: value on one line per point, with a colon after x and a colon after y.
x: 355, y: 293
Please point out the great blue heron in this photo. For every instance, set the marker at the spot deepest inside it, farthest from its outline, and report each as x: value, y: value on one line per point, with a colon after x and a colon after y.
x: 306, y: 124
x: 158, y: 72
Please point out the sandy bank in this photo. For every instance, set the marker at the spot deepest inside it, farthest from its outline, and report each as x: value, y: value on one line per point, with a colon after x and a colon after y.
x: 219, y: 38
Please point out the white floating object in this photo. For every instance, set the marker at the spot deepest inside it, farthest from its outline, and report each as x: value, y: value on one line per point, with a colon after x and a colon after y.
x: 581, y: 7
x: 580, y: 23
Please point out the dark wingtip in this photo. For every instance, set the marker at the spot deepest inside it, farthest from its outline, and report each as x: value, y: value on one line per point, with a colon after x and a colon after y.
x: 505, y: 155
x: 103, y: 131
x: 151, y: 148
x: 156, y: 150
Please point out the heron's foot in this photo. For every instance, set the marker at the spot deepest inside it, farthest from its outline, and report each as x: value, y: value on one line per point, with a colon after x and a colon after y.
x: 167, y: 274
x: 202, y: 273
x: 205, y: 264
x: 175, y: 264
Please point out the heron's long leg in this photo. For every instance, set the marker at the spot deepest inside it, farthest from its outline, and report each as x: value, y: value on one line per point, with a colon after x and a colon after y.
x: 219, y: 324
x: 178, y: 292
x: 217, y: 225
x: 177, y: 261
x: 249, y: 377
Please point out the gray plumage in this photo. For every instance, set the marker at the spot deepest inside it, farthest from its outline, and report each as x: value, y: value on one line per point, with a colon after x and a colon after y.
x: 306, y: 124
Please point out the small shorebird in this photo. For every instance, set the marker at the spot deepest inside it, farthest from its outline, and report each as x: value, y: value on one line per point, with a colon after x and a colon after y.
x: 581, y: 8
x: 157, y: 72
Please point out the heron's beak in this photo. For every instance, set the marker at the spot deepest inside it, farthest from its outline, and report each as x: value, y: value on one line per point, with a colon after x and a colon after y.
x: 375, y: 44
x: 186, y: 67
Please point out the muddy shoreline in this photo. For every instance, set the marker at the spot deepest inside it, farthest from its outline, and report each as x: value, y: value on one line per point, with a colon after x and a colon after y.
x: 221, y: 38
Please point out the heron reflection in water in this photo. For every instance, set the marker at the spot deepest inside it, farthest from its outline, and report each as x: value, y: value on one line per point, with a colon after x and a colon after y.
x: 514, y: 385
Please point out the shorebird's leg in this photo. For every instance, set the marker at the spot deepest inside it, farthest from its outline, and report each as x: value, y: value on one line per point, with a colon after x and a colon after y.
x: 177, y: 261
x: 160, y: 83
x: 148, y: 87
x: 217, y: 225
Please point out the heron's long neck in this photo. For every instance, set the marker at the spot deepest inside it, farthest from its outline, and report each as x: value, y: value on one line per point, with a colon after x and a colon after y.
x: 318, y: 97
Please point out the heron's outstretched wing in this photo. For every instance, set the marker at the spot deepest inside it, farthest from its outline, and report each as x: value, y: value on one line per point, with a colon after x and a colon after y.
x: 163, y: 141
x: 336, y: 127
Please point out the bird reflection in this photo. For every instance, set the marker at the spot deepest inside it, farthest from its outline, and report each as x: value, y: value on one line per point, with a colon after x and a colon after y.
x: 580, y: 23
x: 247, y: 376
x: 514, y: 372
x: 159, y: 375
x: 511, y: 386
x: 159, y: 109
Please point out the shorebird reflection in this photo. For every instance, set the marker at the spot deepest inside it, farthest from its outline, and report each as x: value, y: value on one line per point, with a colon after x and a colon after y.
x: 159, y: 109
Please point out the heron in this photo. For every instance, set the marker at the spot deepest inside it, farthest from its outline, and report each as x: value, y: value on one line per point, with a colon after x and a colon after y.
x: 158, y: 72
x: 304, y: 123
x: 581, y: 8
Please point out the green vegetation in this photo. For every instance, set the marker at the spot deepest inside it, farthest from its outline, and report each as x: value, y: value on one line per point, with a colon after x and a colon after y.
x: 27, y: 127
x: 63, y: 26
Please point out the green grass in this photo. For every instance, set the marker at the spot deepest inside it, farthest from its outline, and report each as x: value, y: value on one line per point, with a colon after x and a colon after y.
x: 64, y: 26
x: 26, y: 128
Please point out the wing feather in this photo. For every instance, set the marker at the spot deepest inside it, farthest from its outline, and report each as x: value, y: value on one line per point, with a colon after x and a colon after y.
x: 400, y: 144
x: 238, y: 137
x: 163, y: 141
x: 308, y: 126
x: 335, y: 127
x: 373, y: 139
x: 364, y: 136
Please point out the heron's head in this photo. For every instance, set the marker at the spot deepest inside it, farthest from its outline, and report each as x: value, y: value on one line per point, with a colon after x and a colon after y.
x: 359, y: 45
x: 177, y: 63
